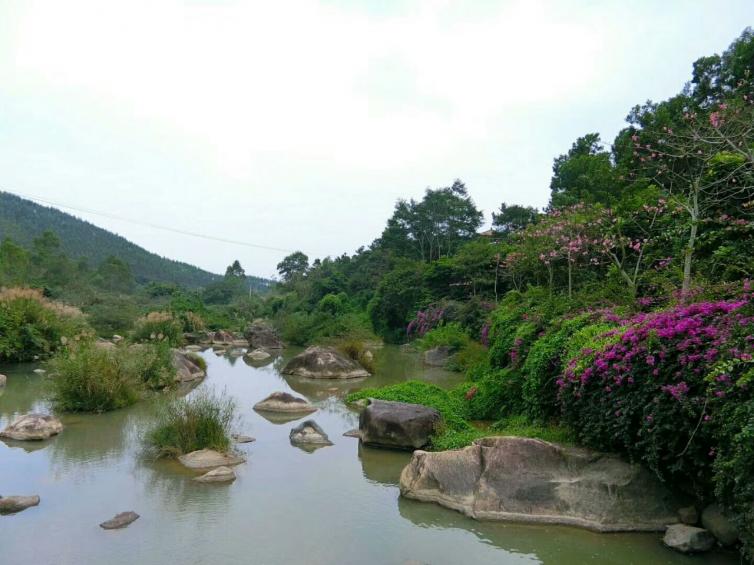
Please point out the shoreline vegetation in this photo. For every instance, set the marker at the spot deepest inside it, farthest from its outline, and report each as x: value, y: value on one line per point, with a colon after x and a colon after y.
x: 620, y: 318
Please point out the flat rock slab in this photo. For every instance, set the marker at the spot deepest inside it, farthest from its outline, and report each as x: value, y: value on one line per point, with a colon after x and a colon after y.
x: 208, y: 459
x: 309, y: 433
x: 13, y: 504
x: 324, y: 363
x: 398, y: 425
x: 688, y: 539
x: 219, y: 475
x: 238, y: 438
x: 285, y: 403
x: 185, y: 368
x: 33, y: 427
x: 529, y: 480
x: 120, y: 521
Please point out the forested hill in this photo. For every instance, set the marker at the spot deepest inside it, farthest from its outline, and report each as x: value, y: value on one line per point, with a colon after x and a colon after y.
x: 23, y: 220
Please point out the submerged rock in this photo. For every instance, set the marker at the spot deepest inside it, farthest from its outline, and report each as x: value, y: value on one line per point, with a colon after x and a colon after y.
x: 261, y: 335
x: 309, y: 434
x: 688, y: 539
x: 397, y: 424
x: 324, y: 363
x: 529, y: 480
x: 218, y: 475
x: 33, y: 427
x: 437, y: 356
x: 208, y: 459
x: 120, y: 520
x: 238, y: 438
x: 283, y: 402
x: 13, y: 504
x: 258, y: 355
x: 185, y: 368
x: 719, y: 525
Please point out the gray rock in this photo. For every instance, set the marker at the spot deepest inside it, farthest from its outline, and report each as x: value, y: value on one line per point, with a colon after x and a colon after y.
x: 324, y: 363
x: 397, y: 424
x: 33, y: 427
x: 3, y: 380
x: 719, y: 525
x: 209, y: 459
x: 258, y: 355
x: 238, y: 438
x: 13, y: 504
x: 688, y: 539
x: 309, y: 433
x: 236, y: 352
x: 39, y: 371
x: 193, y: 348
x: 120, y: 520
x: 222, y: 337
x: 529, y: 480
x: 261, y: 335
x: 185, y: 369
x: 438, y: 356
x: 218, y: 475
x: 353, y: 433
x: 688, y: 515
x: 283, y: 402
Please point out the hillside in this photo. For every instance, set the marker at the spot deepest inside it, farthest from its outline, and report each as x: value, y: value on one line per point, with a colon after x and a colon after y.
x: 23, y: 220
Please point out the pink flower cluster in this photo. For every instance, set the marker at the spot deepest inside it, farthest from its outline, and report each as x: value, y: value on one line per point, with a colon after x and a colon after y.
x: 425, y: 320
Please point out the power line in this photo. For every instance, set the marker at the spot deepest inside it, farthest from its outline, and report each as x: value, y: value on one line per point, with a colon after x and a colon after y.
x: 146, y: 224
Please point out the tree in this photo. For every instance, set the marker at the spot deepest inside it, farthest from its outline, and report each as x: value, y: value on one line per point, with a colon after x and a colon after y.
x: 14, y: 263
x: 513, y: 217
x: 235, y: 270
x: 584, y: 174
x: 115, y: 275
x: 293, y: 266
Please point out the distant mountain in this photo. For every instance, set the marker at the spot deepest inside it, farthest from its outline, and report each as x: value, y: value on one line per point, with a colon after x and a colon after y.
x: 23, y: 220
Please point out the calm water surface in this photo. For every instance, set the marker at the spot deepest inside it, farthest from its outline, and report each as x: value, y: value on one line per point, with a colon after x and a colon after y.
x: 337, y: 505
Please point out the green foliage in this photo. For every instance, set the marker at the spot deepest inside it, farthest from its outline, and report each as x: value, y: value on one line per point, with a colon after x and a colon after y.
x: 293, y: 266
x: 451, y: 335
x: 492, y: 393
x: 398, y: 296
x: 356, y: 350
x: 521, y: 426
x: 158, y: 326
x: 112, y: 314
x: 198, y: 360
x: 31, y: 325
x: 201, y: 421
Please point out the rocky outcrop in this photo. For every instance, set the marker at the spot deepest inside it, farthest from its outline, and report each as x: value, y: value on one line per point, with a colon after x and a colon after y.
x: 209, y: 459
x: 222, y: 337
x: 185, y: 369
x: 309, y: 434
x: 688, y: 539
x: 397, y: 424
x: 33, y: 427
x: 120, y: 521
x: 218, y: 475
x: 258, y: 355
x: 13, y: 504
x: 719, y: 525
x: 437, y: 356
x: 261, y: 335
x: 324, y: 363
x: 529, y: 480
x: 283, y: 402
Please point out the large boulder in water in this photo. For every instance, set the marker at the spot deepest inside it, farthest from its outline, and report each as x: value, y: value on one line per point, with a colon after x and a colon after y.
x: 33, y: 427
x: 218, y: 475
x: 688, y: 539
x: 283, y: 402
x: 324, y: 363
x: 261, y: 335
x: 309, y: 434
x: 397, y: 424
x: 120, y: 520
x: 186, y: 370
x: 209, y: 459
x: 13, y: 504
x: 222, y: 337
x: 438, y: 356
x: 529, y: 480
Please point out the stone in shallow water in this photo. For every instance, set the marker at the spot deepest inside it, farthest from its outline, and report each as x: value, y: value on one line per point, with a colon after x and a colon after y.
x: 688, y: 539
x: 352, y: 433
x: 32, y: 427
x: 120, y: 520
x: 324, y: 363
x: 530, y: 480
x: 437, y: 356
x: 219, y: 475
x: 398, y: 425
x: 261, y: 334
x: 258, y: 355
x: 239, y: 438
x: 284, y: 402
x: 13, y: 504
x: 208, y: 459
x: 309, y: 434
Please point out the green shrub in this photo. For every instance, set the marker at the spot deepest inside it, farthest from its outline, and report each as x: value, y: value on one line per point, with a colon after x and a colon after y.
x: 90, y: 378
x: 449, y: 335
x: 112, y: 314
x: 522, y: 426
x: 492, y: 393
x: 198, y: 360
x: 472, y: 355
x: 201, y: 421
x: 31, y: 325
x: 158, y: 326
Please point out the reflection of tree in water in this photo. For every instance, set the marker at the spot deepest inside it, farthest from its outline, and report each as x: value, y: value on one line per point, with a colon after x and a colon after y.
x: 23, y: 393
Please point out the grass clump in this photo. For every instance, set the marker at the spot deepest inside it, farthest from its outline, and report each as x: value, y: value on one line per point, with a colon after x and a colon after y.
x: 202, y: 421
x: 197, y: 360
x: 158, y: 326
x: 449, y: 335
x: 356, y: 350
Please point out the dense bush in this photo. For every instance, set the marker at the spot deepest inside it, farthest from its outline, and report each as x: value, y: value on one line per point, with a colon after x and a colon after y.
x: 449, y: 335
x: 158, y: 326
x: 31, y: 325
x: 201, y: 421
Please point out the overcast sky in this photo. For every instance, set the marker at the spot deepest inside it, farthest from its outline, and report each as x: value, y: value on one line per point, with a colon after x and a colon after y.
x: 296, y: 125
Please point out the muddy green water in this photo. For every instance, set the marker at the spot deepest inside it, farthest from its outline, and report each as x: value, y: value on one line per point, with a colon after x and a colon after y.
x: 337, y: 505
